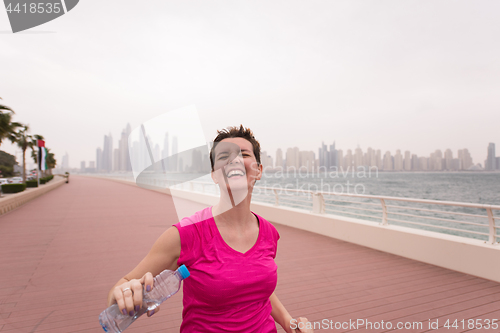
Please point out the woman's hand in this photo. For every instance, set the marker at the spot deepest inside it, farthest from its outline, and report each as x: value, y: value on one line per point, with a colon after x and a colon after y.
x: 302, y: 325
x: 128, y: 295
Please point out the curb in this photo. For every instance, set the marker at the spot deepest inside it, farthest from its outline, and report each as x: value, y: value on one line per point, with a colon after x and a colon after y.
x: 18, y: 199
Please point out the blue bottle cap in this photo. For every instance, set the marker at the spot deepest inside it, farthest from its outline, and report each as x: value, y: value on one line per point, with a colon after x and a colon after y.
x: 184, y: 271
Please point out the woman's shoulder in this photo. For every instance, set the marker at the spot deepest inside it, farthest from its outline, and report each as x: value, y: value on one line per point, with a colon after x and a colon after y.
x: 195, y: 224
x: 268, y: 228
x: 200, y: 216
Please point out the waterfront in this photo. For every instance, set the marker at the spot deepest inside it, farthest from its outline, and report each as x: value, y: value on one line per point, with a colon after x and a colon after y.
x: 473, y: 187
x: 465, y: 187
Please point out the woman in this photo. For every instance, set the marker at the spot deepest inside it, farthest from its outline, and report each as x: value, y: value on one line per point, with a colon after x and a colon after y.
x: 228, y: 249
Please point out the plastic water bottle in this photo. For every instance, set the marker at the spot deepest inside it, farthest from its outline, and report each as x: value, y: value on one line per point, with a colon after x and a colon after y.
x: 165, y: 285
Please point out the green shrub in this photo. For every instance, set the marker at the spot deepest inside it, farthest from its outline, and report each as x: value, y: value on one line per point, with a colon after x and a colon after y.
x: 42, y: 180
x: 31, y: 183
x: 13, y: 188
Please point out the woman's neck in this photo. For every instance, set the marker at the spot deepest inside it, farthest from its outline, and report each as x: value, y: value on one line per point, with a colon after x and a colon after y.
x: 239, y: 216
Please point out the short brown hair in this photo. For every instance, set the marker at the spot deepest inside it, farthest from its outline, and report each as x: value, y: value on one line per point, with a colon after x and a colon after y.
x: 236, y: 132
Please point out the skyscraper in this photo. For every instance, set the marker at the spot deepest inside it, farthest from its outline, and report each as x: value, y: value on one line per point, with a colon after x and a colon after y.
x: 388, y: 163
x: 124, y: 160
x: 98, y: 159
x: 65, y: 162
x: 107, y: 153
x: 448, y: 160
x: 490, y: 159
x: 465, y: 159
x: 407, y: 161
x: 279, y: 159
x: 398, y: 161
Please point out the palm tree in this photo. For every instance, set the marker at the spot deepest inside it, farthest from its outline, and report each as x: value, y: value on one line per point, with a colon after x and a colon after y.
x: 24, y: 141
x: 7, y: 127
x: 51, y: 161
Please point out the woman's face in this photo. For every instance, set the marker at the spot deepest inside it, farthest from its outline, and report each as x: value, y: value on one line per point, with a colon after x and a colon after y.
x: 235, y: 163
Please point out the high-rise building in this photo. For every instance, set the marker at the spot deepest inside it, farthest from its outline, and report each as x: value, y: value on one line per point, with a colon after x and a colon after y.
x: 407, y: 161
x: 334, y: 162
x: 266, y: 160
x: 340, y: 158
x: 107, y: 153
x: 490, y: 163
x: 279, y: 159
x: 82, y: 166
x: 465, y: 159
x: 348, y: 160
x: 65, y: 162
x: 327, y: 159
x: 124, y: 160
x: 98, y: 159
x: 165, y: 151
x: 448, y: 160
x: 306, y: 160
x: 436, y: 161
x: 398, y: 161
x: 414, y: 163
x: 292, y: 158
x: 388, y: 163
x: 378, y: 158
x: 423, y: 163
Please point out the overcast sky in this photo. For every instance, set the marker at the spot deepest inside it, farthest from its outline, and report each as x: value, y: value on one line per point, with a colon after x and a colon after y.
x: 409, y: 75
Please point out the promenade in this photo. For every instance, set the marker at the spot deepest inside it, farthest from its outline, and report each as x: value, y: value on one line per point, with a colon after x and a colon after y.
x: 63, y: 251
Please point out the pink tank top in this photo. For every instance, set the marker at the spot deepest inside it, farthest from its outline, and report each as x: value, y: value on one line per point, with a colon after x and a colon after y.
x: 228, y: 290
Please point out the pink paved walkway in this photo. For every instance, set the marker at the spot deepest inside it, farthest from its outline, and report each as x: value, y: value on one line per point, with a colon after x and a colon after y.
x: 62, y: 252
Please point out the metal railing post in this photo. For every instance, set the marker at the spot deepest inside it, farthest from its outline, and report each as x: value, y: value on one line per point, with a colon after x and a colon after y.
x: 384, y: 212
x: 318, y: 203
x: 276, y: 196
x: 492, y: 228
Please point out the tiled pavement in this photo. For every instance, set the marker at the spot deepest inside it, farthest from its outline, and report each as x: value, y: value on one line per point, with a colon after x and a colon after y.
x: 62, y: 252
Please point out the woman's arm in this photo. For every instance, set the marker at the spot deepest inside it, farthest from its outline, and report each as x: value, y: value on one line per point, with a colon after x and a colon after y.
x: 163, y: 255
x: 282, y: 317
x: 280, y: 314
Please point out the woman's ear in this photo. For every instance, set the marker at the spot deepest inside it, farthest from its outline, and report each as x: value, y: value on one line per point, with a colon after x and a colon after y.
x: 260, y: 172
x: 213, y: 177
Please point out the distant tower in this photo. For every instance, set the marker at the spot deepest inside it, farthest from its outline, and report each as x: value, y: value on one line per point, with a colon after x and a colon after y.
x: 65, y: 161
x: 490, y: 160
x: 388, y: 164
x: 124, y: 160
x: 398, y: 161
x: 107, y: 153
x: 448, y: 160
x: 164, y: 152
x: 279, y: 159
x: 98, y: 159
x: 407, y: 161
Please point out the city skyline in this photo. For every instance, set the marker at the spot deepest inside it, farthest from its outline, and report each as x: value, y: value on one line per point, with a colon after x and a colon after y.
x: 111, y: 159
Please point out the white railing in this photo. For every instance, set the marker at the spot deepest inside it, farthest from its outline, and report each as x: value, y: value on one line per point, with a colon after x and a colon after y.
x: 476, y: 220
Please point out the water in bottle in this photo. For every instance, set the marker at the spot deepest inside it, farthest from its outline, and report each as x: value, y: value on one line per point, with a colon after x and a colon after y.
x: 165, y: 285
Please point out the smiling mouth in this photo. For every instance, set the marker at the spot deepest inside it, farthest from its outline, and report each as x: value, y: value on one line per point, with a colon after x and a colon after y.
x: 235, y: 173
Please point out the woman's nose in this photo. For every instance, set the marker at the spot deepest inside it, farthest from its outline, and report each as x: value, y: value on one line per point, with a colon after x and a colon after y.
x: 236, y: 159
